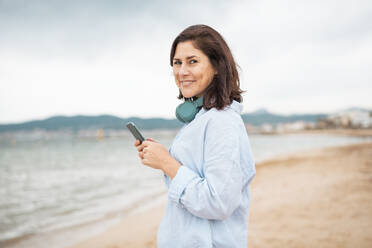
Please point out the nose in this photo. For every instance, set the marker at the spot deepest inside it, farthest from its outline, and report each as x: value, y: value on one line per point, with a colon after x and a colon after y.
x: 183, y: 70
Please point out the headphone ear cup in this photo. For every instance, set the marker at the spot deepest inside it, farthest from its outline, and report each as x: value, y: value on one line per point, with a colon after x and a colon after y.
x: 187, y: 111
x: 179, y: 117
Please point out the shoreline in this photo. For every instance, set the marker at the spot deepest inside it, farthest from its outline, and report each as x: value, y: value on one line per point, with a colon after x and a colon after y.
x: 344, y: 132
x: 85, y: 230
x: 340, y: 131
x: 297, y: 201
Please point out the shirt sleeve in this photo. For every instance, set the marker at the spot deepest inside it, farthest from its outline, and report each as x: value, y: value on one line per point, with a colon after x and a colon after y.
x: 218, y: 193
x: 166, y: 180
x: 165, y: 177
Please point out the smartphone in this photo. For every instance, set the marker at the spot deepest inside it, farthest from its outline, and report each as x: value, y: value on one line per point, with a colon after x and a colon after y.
x: 133, y: 129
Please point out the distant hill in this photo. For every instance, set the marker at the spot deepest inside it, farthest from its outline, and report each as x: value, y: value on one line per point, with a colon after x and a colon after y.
x: 260, y: 117
x: 91, y: 122
x: 80, y: 122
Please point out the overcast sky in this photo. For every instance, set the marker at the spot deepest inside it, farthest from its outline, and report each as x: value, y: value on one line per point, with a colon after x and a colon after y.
x: 112, y: 57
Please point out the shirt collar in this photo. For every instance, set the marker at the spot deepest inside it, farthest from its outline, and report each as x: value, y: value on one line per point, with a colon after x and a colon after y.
x: 236, y: 106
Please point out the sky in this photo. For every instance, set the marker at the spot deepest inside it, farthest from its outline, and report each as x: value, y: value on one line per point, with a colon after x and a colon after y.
x: 76, y: 57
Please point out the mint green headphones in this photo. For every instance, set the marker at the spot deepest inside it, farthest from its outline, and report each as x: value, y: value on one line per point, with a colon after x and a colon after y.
x: 187, y: 111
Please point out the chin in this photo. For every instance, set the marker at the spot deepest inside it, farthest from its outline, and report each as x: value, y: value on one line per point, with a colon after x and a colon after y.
x: 188, y: 94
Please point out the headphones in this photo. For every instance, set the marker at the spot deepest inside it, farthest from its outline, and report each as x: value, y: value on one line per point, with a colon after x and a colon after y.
x: 186, y: 112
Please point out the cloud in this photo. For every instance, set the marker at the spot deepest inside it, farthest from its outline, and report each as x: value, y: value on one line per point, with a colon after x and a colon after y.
x: 312, y: 54
x: 95, y: 57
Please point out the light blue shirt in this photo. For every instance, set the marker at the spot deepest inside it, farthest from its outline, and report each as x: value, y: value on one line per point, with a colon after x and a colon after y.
x: 208, y: 199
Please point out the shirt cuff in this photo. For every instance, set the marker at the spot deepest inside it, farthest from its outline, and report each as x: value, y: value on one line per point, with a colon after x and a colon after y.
x: 178, y: 184
x: 166, y: 180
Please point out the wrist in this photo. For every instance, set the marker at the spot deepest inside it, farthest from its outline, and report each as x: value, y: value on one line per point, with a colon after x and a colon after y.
x: 171, y: 167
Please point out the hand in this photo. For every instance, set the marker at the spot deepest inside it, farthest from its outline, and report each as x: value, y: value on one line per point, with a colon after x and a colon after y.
x: 155, y: 155
x: 140, y: 148
x: 152, y: 153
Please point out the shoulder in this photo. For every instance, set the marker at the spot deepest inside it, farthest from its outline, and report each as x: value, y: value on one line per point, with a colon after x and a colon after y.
x: 227, y: 119
x: 229, y: 113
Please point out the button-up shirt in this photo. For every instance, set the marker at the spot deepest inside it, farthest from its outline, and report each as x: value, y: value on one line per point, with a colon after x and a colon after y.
x: 209, y: 198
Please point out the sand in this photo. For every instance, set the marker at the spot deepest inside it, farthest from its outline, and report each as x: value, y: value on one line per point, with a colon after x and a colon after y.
x: 317, y: 199
x: 321, y: 198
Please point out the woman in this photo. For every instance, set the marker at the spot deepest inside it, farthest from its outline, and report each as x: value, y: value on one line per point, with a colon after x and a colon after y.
x: 209, y: 165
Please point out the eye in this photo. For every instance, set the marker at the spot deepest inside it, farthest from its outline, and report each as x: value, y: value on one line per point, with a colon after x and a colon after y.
x: 176, y: 62
x: 193, y: 61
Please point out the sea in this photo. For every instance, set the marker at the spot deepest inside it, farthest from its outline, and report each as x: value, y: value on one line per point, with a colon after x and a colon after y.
x: 58, y: 184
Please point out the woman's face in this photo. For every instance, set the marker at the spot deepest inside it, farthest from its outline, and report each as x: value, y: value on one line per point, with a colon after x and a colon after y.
x: 192, y: 70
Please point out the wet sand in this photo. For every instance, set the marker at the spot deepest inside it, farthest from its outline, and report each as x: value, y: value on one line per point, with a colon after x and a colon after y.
x: 341, y: 131
x: 321, y: 198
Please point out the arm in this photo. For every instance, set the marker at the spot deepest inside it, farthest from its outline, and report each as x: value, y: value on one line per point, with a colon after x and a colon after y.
x: 218, y: 193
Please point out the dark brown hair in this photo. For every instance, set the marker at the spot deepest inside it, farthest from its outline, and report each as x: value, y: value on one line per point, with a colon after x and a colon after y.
x: 225, y: 86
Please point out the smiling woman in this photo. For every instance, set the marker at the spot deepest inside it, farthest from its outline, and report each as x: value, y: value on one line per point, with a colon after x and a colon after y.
x: 192, y: 70
x: 204, y: 46
x: 209, y: 166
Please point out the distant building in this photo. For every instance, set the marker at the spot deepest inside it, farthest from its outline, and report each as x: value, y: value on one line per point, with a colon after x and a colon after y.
x: 294, y: 126
x: 251, y: 129
x: 267, y: 128
x: 348, y: 119
x: 360, y: 119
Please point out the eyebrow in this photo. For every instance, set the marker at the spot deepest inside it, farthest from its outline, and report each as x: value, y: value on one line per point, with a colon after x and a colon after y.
x: 189, y: 57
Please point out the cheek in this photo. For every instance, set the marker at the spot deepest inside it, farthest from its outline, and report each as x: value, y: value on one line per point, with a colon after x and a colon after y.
x: 207, y: 78
x: 175, y: 77
x: 200, y: 74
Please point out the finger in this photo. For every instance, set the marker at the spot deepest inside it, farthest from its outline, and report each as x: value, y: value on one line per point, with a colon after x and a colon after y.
x: 145, y: 161
x: 136, y: 143
x: 150, y: 139
x: 140, y: 147
x: 146, y: 143
x: 140, y: 155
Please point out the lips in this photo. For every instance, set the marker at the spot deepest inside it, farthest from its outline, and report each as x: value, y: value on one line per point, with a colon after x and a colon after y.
x: 187, y: 83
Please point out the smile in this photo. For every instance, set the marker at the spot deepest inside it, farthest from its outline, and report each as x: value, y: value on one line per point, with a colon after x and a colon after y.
x: 187, y: 83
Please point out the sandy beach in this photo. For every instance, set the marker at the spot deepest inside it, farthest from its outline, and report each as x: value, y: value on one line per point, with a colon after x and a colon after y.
x: 320, y: 198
